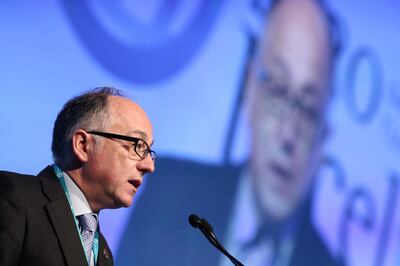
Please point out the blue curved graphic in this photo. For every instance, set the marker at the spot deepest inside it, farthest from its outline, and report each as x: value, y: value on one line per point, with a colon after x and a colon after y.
x: 143, y: 63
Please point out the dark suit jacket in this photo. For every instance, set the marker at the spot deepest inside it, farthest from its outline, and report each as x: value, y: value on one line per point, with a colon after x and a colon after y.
x: 37, y: 226
x: 159, y: 233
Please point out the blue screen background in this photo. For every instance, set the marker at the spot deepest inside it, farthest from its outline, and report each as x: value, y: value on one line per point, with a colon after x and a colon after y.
x: 182, y: 61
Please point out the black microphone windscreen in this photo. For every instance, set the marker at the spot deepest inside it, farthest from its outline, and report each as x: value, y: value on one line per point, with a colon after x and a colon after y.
x: 194, y: 220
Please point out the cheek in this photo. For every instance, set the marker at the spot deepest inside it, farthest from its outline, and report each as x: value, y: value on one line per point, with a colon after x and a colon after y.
x: 263, y: 134
x: 114, y: 169
x: 304, y: 165
x: 116, y: 159
x: 265, y: 145
x: 307, y: 155
x: 125, y: 168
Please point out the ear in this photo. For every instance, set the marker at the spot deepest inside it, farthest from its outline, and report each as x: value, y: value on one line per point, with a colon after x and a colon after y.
x: 80, y: 145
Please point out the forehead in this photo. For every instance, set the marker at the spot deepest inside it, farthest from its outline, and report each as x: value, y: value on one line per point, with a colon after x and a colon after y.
x: 295, y: 46
x: 129, y: 118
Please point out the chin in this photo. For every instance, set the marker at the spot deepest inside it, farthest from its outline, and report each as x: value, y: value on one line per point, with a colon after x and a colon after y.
x: 123, y: 202
x: 126, y: 204
x: 278, y: 209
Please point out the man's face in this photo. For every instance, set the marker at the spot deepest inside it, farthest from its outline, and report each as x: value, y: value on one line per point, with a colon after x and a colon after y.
x: 112, y: 174
x: 288, y: 89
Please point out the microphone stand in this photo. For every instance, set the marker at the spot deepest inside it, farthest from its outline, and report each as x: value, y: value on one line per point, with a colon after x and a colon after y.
x: 207, y: 231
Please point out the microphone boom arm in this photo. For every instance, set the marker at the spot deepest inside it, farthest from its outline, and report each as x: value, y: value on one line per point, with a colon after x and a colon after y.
x: 207, y: 231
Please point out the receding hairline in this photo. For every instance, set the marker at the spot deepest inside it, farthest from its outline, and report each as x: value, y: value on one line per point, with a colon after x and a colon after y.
x: 117, y: 107
x: 306, y: 15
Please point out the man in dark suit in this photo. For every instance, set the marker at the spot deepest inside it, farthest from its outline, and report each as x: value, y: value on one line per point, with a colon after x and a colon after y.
x: 101, y: 152
x: 288, y: 92
x: 261, y: 211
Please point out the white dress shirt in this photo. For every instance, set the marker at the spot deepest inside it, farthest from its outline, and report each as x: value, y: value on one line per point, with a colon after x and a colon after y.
x: 243, y: 240
x: 79, y: 202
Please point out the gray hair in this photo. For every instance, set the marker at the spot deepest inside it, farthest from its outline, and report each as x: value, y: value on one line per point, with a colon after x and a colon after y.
x: 87, y: 111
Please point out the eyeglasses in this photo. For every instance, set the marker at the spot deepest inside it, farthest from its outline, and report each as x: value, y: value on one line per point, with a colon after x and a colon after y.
x: 139, y: 147
x: 278, y: 102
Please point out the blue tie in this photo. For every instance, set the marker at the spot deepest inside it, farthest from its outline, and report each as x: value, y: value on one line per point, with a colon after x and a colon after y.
x: 88, y: 223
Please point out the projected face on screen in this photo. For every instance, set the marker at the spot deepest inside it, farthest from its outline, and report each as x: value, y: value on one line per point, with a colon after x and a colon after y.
x: 287, y: 91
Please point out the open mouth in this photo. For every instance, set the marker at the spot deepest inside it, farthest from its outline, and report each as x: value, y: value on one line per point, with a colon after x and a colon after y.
x: 135, y: 183
x: 281, y: 172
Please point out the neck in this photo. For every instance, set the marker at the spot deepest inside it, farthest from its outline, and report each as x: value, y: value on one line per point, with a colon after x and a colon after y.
x: 78, y: 178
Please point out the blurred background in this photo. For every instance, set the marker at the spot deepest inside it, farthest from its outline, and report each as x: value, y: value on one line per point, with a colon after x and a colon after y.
x: 194, y: 66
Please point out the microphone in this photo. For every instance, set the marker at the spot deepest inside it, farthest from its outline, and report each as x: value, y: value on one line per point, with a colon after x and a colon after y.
x: 196, y: 222
x: 208, y: 232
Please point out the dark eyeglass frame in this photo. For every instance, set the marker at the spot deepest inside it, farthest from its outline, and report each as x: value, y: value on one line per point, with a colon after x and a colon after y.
x: 147, y: 151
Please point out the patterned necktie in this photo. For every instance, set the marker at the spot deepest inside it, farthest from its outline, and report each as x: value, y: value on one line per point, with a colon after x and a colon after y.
x: 88, y: 223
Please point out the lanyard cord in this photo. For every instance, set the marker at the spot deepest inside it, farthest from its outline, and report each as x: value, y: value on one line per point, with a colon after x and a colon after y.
x: 95, y: 245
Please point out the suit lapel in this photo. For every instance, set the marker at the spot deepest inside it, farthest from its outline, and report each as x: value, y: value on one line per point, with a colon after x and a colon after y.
x: 105, y: 257
x: 62, y: 219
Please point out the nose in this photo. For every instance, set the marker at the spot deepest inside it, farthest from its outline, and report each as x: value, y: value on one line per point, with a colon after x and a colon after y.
x: 146, y: 165
x: 289, y: 132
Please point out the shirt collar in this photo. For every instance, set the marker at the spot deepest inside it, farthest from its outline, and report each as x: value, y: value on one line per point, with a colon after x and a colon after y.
x: 78, y: 200
x: 246, y: 219
x: 245, y: 226
x: 247, y: 222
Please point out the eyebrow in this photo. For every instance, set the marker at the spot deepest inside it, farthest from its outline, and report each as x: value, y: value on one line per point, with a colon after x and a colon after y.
x: 311, y: 90
x: 312, y: 95
x: 142, y: 134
